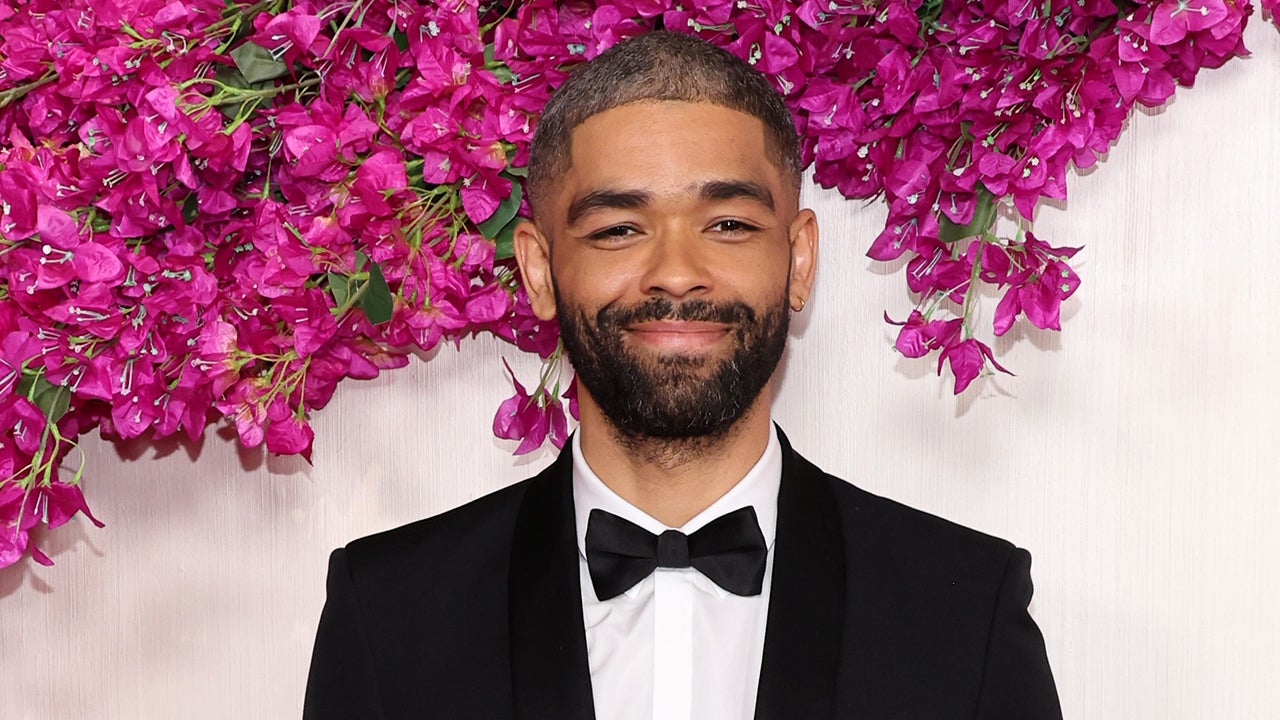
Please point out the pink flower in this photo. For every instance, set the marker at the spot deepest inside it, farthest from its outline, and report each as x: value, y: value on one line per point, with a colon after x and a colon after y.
x: 291, y: 33
x: 16, y: 348
x: 1173, y: 19
x: 309, y: 315
x: 1038, y: 289
x: 287, y: 430
x: 23, y: 422
x: 312, y: 150
x: 18, y: 205
x: 22, y: 508
x: 967, y: 359
x: 919, y: 336
x: 488, y: 305
x: 531, y: 419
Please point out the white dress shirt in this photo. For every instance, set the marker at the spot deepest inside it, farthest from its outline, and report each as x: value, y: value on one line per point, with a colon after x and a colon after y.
x: 676, y: 646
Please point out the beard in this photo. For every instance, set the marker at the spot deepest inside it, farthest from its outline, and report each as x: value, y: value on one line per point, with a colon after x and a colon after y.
x: 678, y: 396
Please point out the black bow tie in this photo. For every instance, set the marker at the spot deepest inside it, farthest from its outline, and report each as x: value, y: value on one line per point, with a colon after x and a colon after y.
x: 729, y: 550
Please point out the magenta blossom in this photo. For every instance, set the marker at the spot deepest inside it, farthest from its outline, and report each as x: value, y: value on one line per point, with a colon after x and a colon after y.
x: 967, y: 359
x: 531, y: 419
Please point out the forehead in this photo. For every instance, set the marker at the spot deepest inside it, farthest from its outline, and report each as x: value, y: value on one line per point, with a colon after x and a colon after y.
x: 665, y: 148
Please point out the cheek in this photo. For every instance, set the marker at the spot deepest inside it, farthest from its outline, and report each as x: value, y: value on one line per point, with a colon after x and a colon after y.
x: 595, y: 276
x: 762, y: 280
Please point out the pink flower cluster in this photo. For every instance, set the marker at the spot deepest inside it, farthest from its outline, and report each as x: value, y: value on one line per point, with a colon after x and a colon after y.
x: 214, y: 212
x: 956, y: 110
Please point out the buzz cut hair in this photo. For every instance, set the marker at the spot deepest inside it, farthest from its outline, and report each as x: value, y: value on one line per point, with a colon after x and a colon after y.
x: 657, y: 66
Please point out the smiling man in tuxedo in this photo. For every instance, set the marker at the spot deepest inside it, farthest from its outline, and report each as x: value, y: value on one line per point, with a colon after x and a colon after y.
x: 679, y: 560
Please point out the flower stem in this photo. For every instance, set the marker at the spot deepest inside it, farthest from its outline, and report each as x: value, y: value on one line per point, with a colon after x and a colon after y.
x: 17, y: 92
x: 970, y: 292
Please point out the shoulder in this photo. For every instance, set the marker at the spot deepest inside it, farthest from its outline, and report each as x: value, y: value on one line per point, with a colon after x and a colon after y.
x: 904, y: 540
x: 902, y: 523
x: 476, y: 534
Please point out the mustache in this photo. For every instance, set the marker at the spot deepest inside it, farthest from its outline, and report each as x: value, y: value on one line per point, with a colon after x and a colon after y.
x: 654, y: 309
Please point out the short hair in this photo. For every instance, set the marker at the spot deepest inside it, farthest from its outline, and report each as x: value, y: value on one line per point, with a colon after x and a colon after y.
x: 657, y: 66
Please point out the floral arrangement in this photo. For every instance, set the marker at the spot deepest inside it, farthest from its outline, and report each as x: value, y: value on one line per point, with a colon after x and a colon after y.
x: 216, y: 210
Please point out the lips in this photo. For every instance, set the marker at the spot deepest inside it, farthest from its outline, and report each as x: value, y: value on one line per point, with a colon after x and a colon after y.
x: 678, y: 334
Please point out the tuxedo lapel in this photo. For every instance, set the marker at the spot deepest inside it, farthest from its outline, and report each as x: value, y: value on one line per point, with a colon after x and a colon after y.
x: 549, y: 672
x: 804, y: 630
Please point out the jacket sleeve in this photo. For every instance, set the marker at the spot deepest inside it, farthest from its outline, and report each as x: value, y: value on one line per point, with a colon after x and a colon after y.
x: 1017, y: 683
x: 342, y: 683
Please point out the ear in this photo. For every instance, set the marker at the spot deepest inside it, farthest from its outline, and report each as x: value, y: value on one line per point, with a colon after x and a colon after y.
x: 803, y: 235
x: 533, y: 254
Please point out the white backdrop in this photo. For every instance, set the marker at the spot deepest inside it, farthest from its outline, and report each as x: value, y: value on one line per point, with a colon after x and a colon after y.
x: 1134, y: 455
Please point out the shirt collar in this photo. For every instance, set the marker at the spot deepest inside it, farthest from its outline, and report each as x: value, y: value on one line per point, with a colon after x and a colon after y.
x: 758, y: 489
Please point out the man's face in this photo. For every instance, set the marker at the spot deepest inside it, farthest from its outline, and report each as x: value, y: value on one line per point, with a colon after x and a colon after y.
x: 670, y: 243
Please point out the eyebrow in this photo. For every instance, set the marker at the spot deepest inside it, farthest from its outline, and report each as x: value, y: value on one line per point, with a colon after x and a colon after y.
x: 608, y: 199
x: 735, y: 190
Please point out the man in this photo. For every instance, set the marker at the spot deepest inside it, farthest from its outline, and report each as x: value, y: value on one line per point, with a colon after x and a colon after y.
x: 668, y: 241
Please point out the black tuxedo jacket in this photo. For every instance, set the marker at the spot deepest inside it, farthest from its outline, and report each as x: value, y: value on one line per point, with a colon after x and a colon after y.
x: 876, y: 612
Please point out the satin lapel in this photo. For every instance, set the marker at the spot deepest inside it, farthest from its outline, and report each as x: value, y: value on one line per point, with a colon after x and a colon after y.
x: 804, y: 631
x: 549, y: 672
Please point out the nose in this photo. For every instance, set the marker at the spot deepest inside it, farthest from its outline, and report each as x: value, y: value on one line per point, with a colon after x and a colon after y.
x: 676, y: 266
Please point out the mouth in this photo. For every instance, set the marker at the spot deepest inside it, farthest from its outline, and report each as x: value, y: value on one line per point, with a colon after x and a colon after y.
x: 678, y: 335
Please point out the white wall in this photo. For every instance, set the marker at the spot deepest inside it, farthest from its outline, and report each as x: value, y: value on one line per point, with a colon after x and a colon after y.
x: 1134, y: 455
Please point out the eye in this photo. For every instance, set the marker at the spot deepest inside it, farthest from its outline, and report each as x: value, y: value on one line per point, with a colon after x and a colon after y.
x: 616, y: 232
x: 734, y: 227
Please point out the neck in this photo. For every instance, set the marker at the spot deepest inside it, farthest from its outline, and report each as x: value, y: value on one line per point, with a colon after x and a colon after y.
x: 672, y: 480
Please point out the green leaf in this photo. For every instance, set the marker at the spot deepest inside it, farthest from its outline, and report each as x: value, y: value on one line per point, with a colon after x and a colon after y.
x: 191, y: 208
x: 339, y: 288
x: 503, y: 74
x: 361, y: 260
x: 401, y: 38
x: 376, y: 299
x: 504, y: 246
x: 499, y: 69
x: 507, y: 209
x: 257, y: 64
x: 984, y: 216
x: 228, y: 75
x: 53, y: 400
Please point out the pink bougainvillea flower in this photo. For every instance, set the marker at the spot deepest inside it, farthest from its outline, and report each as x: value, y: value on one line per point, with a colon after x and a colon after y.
x: 1173, y: 19
x: 531, y: 419
x: 243, y: 405
x: 309, y: 315
x: 18, y: 205
x: 295, y: 26
x: 488, y: 305
x: 379, y: 177
x: 58, y: 502
x: 480, y: 198
x: 967, y: 358
x: 312, y: 149
x: 287, y: 430
x: 919, y: 337
x: 17, y: 517
x: 16, y: 348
